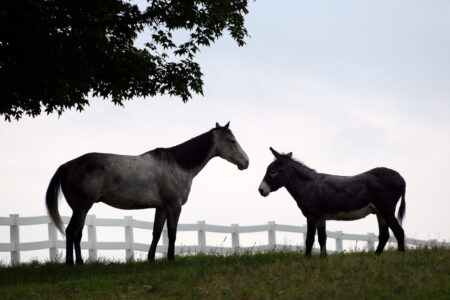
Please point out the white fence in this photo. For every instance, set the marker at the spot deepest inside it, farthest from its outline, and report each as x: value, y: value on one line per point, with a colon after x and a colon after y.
x: 128, y: 223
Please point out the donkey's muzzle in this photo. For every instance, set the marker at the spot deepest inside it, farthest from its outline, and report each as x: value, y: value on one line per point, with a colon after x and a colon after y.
x: 262, y: 192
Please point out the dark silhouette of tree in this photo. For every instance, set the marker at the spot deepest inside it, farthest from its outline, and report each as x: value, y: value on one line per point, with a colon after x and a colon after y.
x: 54, y: 53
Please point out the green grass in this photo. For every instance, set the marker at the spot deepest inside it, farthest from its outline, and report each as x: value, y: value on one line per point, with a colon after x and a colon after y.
x: 416, y: 274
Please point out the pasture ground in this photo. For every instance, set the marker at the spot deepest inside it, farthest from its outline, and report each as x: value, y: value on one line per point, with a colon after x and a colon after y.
x: 417, y: 274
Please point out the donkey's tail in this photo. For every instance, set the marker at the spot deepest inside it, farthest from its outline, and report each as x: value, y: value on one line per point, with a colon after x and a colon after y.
x: 401, y: 210
x: 51, y: 199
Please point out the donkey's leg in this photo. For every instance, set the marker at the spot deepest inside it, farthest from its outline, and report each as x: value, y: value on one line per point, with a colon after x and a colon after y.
x: 398, y: 232
x: 160, y: 219
x: 81, y: 219
x: 321, y: 231
x: 310, y: 234
x: 172, y: 222
x: 384, y: 234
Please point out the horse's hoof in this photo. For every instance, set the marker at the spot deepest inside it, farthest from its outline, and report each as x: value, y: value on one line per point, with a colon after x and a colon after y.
x: 69, y: 263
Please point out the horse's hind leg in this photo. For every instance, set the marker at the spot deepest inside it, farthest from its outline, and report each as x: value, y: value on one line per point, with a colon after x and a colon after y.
x: 384, y: 234
x: 398, y: 232
x: 78, y: 235
x: 322, y: 233
x: 160, y: 219
x: 73, y: 237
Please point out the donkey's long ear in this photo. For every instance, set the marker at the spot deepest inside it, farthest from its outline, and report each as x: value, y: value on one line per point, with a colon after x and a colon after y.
x: 275, y: 153
x: 217, y: 125
x: 227, y: 125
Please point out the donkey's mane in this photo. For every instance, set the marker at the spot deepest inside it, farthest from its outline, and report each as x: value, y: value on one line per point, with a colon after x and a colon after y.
x: 298, y: 163
x: 189, y: 154
x: 302, y: 164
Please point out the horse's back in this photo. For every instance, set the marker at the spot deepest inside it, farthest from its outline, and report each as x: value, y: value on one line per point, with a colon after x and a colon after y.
x: 96, y: 176
x: 123, y: 181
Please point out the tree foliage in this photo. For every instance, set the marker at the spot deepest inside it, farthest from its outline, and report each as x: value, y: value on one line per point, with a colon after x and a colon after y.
x: 54, y: 53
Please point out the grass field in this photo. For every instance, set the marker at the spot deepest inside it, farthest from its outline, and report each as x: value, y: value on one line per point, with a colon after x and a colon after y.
x: 417, y: 274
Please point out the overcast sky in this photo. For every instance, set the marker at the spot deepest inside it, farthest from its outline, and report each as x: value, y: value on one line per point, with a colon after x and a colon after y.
x: 345, y: 85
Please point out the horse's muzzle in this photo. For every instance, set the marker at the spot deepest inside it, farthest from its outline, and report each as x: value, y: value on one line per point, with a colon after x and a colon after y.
x: 243, y: 166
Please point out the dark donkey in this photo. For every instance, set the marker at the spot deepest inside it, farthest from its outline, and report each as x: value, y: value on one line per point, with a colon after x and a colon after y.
x: 324, y: 197
x: 160, y: 179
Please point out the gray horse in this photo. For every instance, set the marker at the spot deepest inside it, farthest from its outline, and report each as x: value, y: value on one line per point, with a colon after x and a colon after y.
x: 160, y: 179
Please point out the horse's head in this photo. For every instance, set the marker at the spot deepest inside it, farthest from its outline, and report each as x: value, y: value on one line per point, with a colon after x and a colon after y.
x: 276, y: 175
x: 228, y: 147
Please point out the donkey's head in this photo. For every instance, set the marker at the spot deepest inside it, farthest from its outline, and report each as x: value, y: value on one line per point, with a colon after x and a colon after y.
x: 228, y: 147
x: 276, y: 175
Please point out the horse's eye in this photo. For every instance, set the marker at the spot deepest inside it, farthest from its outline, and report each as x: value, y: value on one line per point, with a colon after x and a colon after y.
x: 232, y: 141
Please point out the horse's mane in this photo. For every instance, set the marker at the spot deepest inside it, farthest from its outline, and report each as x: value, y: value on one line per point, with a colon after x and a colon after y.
x: 189, y: 154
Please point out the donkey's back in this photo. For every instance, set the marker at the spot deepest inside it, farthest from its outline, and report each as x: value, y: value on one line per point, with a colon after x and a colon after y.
x: 389, y: 179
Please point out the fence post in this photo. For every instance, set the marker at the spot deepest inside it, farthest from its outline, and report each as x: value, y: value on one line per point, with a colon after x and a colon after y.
x: 165, y: 240
x: 305, y: 234
x: 52, y: 237
x: 129, y: 238
x: 201, y: 234
x: 433, y: 243
x: 14, y: 237
x: 92, y: 238
x: 370, y: 241
x: 235, y: 237
x: 339, y: 242
x: 272, y: 235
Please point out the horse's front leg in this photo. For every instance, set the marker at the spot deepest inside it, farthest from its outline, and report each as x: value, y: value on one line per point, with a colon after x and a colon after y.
x: 160, y: 219
x: 311, y: 232
x: 173, y: 216
x: 322, y: 233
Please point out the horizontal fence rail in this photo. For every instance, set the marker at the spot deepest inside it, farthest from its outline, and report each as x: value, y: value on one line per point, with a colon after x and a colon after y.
x: 128, y: 223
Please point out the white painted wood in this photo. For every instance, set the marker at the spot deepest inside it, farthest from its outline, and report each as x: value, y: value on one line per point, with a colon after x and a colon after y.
x: 235, y: 236
x: 271, y: 234
x: 92, y: 237
x: 201, y: 237
x: 129, y: 239
x: 14, y: 238
x: 339, y: 242
x: 165, y: 237
x: 53, y: 244
x: 371, y: 241
x: 52, y: 237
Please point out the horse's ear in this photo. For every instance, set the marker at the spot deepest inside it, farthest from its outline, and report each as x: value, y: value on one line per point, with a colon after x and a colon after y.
x: 289, y: 155
x: 227, y: 125
x: 217, y: 125
x: 275, y: 153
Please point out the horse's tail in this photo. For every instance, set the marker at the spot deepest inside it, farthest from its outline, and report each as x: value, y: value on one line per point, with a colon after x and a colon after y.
x: 51, y: 199
x: 401, y: 210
